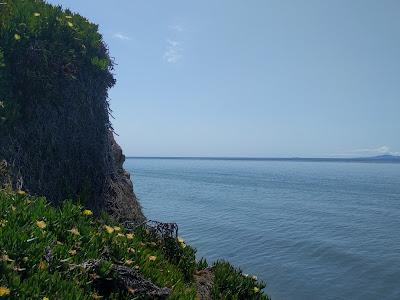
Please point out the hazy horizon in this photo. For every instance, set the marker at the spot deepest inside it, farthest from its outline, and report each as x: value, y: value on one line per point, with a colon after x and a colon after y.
x: 354, y: 158
x: 260, y: 79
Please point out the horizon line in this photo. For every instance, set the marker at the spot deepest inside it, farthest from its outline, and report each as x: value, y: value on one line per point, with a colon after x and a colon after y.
x: 378, y: 158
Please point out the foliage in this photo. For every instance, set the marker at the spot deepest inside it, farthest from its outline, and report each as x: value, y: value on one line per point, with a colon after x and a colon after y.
x: 202, y: 264
x: 231, y: 283
x: 176, y: 251
x: 43, y: 49
x: 55, y: 72
x: 42, y: 247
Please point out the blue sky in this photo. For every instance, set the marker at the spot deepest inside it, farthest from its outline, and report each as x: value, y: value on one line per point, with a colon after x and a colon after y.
x: 253, y: 78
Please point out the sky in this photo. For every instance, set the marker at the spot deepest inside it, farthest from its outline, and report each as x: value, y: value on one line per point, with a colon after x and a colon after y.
x: 253, y: 78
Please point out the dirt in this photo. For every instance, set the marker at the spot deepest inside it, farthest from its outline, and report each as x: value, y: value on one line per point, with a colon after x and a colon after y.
x: 204, y: 281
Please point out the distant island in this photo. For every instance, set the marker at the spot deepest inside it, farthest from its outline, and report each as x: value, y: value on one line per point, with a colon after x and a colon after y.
x: 371, y: 159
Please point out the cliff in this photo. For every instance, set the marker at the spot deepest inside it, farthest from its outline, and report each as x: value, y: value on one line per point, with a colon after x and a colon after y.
x: 55, y: 133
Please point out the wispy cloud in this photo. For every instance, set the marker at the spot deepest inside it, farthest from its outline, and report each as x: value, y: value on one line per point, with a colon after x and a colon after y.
x: 382, y: 150
x: 378, y: 150
x: 176, y: 28
x: 173, y: 51
x: 122, y: 36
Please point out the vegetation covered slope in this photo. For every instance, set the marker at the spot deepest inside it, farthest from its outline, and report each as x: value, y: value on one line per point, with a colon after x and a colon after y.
x: 55, y: 132
x: 47, y: 252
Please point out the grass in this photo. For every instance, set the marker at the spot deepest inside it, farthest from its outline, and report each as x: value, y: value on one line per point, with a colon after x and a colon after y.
x: 42, y: 248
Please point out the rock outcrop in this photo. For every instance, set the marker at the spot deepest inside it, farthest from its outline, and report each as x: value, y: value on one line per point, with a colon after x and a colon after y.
x: 121, y: 201
x: 55, y: 132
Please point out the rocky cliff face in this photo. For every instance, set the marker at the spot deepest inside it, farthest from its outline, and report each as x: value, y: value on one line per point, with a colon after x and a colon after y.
x: 121, y: 200
x: 47, y: 158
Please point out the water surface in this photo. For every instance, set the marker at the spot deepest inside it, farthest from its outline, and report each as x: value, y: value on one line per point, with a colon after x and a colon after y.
x: 311, y: 230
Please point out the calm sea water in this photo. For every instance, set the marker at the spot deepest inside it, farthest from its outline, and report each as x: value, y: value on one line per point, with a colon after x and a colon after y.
x: 311, y: 230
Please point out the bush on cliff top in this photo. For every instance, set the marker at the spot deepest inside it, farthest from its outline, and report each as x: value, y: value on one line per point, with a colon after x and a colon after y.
x: 42, y: 247
x: 42, y: 49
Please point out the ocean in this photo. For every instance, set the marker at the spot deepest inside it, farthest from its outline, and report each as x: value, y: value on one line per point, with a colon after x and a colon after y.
x: 310, y: 230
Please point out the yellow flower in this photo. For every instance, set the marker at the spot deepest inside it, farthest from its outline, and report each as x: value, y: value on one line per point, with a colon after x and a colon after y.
x: 182, y: 242
x: 72, y: 252
x: 129, y: 236
x: 74, y: 231
x: 131, y: 250
x: 41, y: 224
x: 13, y: 208
x: 128, y: 262
x: 152, y: 258
x: 5, y: 257
x: 4, y: 291
x: 42, y: 265
x: 70, y: 24
x: 256, y: 289
x: 17, y: 37
x: 45, y: 298
x: 109, y: 229
x: 116, y: 228
x: 20, y: 192
x: 3, y: 223
x: 95, y: 296
x: 120, y: 235
x: 87, y: 212
x: 38, y: 15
